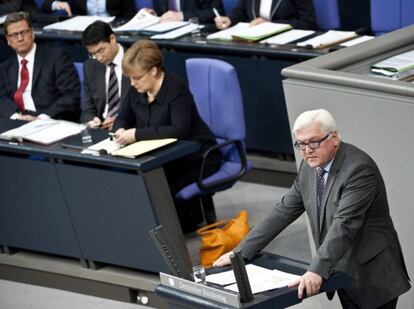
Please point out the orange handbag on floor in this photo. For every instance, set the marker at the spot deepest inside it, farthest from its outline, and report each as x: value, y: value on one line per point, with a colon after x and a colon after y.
x: 221, y: 237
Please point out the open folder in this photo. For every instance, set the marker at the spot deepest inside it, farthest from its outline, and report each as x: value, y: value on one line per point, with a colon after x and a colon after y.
x: 43, y: 131
x: 132, y: 150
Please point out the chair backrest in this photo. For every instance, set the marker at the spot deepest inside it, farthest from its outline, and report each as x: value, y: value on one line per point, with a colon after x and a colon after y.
x: 216, y: 90
x: 327, y: 14
x: 229, y: 5
x: 79, y: 70
x: 389, y: 15
x: 139, y: 4
x: 39, y: 3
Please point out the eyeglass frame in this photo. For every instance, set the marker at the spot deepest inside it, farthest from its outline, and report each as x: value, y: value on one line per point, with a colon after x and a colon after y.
x: 15, y: 35
x: 312, y: 144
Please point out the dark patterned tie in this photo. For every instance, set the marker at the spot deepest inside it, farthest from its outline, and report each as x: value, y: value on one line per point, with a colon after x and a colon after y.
x: 24, y: 81
x: 320, y: 186
x: 113, y: 92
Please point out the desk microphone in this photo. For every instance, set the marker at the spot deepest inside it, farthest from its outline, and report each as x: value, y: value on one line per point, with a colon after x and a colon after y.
x: 242, y: 280
x: 69, y: 146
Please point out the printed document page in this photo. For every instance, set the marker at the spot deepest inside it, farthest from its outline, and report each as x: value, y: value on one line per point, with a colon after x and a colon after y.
x: 358, y: 40
x: 107, y: 144
x: 140, y: 21
x: 166, y: 26
x: 329, y: 38
x: 288, y: 36
x: 398, y: 63
x: 226, y: 35
x: 176, y: 33
x: 261, y: 279
x: 45, y: 131
x: 77, y: 23
x: 260, y: 31
x: 141, y: 147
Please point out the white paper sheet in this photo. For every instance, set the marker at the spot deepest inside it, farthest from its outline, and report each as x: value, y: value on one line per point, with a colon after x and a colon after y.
x: 140, y: 21
x: 288, y: 36
x: 358, y: 40
x: 261, y: 279
x: 226, y: 35
x: 166, y: 26
x: 328, y: 38
x: 176, y: 33
x: 77, y: 23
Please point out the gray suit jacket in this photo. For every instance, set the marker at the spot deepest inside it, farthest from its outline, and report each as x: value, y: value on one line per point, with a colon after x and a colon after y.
x: 94, y: 90
x: 356, y: 234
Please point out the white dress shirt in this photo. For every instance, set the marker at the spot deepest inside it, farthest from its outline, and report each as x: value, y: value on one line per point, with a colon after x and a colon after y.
x: 265, y: 9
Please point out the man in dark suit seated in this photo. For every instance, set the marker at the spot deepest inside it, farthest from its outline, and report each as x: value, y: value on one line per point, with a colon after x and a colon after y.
x: 178, y: 10
x: 104, y: 84
x: 10, y: 6
x: 341, y: 189
x: 299, y: 14
x: 124, y: 9
x: 38, y: 82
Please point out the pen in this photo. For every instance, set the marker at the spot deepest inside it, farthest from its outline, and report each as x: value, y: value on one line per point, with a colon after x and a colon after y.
x: 112, y: 135
x: 216, y: 12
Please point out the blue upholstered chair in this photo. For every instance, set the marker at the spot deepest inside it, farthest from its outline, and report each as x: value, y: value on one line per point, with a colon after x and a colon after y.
x: 79, y: 69
x: 327, y: 14
x: 389, y: 15
x: 139, y: 4
x: 216, y: 90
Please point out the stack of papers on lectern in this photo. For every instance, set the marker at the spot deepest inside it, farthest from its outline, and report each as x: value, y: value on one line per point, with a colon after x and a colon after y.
x: 130, y: 151
x: 244, y: 32
x: 396, y: 67
x: 330, y: 38
x: 44, y: 131
x: 261, y: 279
x: 77, y: 23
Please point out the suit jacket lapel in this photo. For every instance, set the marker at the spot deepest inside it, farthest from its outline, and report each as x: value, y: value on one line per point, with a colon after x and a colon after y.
x: 37, y: 66
x: 124, y: 86
x: 336, y: 164
x: 14, y: 73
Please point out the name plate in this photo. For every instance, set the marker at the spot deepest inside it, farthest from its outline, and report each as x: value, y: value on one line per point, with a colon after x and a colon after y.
x: 218, y: 295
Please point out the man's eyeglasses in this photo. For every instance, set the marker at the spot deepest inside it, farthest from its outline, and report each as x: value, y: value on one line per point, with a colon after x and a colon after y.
x: 15, y: 35
x: 311, y: 144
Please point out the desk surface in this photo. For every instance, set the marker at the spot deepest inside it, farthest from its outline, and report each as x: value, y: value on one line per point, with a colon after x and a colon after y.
x: 142, y: 163
x: 278, y: 298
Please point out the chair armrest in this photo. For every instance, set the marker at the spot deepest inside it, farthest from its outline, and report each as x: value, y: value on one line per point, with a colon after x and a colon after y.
x: 218, y: 183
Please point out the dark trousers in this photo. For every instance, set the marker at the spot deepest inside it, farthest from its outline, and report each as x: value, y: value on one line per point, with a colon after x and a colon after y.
x: 347, y: 302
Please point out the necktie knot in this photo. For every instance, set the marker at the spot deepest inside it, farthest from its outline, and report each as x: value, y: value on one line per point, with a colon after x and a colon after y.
x: 112, y: 65
x: 321, y: 172
x: 23, y: 62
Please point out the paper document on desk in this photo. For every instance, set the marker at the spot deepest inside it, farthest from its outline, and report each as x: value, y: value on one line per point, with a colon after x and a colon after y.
x: 140, y: 21
x: 45, y: 131
x: 227, y: 34
x: 288, y: 36
x: 332, y: 37
x: 165, y: 26
x: 357, y: 40
x: 260, y: 31
x: 109, y: 145
x: 77, y: 23
x: 396, y: 64
x: 176, y: 33
x: 261, y: 279
x: 141, y: 147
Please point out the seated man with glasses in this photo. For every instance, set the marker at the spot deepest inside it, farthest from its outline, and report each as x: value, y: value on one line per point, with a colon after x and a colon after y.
x: 38, y: 82
x: 342, y: 191
x: 104, y: 85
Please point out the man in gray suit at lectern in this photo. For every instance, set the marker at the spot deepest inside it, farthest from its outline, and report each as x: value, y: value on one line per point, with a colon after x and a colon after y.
x: 341, y: 189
